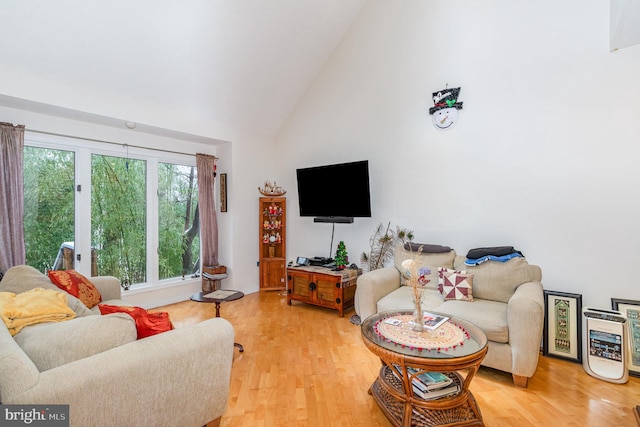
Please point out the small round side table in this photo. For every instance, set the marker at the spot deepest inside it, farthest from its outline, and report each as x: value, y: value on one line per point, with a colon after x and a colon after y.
x: 225, y: 296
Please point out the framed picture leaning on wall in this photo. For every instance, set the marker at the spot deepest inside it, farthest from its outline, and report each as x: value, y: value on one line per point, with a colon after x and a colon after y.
x: 631, y: 310
x: 562, y: 335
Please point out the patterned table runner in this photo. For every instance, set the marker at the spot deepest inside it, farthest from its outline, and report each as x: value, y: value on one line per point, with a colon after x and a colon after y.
x: 448, y: 335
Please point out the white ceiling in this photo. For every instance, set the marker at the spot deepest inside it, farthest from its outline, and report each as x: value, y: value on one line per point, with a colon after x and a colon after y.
x: 245, y: 63
x: 241, y: 62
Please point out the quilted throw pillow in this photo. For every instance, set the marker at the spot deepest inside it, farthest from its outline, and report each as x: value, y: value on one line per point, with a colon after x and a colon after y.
x: 77, y: 285
x: 147, y: 323
x: 442, y: 272
x: 455, y: 284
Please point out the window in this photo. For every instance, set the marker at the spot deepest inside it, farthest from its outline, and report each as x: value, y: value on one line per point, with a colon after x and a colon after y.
x: 179, y: 225
x: 118, y: 217
x: 49, y: 207
x: 130, y: 214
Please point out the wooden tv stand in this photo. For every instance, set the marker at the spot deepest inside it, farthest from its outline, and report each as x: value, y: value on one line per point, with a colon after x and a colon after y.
x: 322, y: 286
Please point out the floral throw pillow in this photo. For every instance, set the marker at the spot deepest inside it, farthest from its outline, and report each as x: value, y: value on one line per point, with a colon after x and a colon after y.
x: 77, y: 285
x: 457, y: 286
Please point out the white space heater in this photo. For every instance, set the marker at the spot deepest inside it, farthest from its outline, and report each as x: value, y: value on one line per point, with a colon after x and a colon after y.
x: 605, y: 347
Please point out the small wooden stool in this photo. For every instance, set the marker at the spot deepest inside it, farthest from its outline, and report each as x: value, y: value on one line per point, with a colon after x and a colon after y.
x: 211, y: 282
x: 211, y: 277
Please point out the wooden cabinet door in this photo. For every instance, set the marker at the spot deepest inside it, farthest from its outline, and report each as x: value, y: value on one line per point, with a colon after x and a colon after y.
x: 300, y: 284
x: 326, y: 287
x: 273, y: 274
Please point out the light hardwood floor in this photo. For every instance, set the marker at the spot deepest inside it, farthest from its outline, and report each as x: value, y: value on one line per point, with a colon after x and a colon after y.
x: 306, y: 366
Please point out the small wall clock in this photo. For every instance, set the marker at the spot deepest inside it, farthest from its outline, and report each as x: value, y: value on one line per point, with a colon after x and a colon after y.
x: 445, y: 108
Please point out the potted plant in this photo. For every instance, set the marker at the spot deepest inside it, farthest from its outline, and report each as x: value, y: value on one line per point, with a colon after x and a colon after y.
x: 341, y: 259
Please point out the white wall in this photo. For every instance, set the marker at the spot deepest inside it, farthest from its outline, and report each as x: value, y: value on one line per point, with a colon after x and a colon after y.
x: 253, y: 162
x: 544, y: 156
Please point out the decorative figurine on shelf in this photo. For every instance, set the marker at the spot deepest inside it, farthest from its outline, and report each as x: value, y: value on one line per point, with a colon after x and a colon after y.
x: 270, y: 189
x: 341, y: 258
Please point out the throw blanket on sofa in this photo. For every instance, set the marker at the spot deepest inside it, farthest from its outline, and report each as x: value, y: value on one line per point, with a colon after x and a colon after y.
x: 496, y: 251
x: 478, y: 256
x: 31, y: 307
x: 426, y: 248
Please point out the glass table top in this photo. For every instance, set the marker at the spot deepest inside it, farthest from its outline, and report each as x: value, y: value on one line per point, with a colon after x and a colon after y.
x: 474, y: 340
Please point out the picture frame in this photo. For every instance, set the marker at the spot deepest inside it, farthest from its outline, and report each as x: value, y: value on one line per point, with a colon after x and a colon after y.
x: 223, y: 192
x: 631, y: 310
x: 562, y: 336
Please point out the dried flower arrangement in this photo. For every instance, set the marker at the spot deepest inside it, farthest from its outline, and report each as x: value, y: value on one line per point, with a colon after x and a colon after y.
x: 417, y: 278
x: 382, y: 246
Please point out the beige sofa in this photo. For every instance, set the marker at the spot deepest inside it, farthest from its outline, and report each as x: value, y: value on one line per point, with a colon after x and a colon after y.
x: 508, y: 304
x: 95, y: 364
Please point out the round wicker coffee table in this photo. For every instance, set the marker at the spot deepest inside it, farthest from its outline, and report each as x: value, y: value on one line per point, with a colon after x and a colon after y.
x: 455, y: 350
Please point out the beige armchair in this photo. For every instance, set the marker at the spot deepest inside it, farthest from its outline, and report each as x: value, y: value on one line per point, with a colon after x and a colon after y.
x: 508, y: 305
x: 176, y: 378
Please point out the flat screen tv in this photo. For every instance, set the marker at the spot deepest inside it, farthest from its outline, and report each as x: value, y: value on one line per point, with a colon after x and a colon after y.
x: 335, y: 193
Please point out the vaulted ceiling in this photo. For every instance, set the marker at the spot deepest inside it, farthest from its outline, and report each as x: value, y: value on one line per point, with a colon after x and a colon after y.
x: 242, y: 62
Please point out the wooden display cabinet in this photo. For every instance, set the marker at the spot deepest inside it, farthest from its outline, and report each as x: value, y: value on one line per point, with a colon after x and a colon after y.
x: 322, y: 286
x: 272, y: 242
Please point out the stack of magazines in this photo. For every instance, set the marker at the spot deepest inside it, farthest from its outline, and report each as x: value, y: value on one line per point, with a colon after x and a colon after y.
x: 432, y: 385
